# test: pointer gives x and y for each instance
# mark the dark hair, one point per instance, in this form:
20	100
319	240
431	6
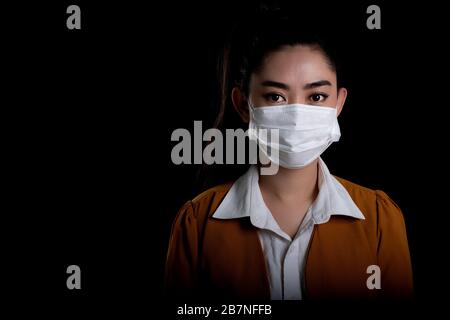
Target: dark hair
253	39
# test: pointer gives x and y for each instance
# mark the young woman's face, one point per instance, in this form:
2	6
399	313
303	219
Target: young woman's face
295	74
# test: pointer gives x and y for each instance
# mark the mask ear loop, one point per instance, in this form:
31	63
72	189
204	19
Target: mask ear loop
251	110
264	161
336	131
250	105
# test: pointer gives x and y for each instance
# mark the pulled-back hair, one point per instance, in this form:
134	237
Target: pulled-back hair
258	35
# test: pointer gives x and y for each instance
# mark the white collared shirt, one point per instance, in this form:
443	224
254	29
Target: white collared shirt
285	257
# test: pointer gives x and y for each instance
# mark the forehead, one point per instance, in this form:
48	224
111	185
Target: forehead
296	63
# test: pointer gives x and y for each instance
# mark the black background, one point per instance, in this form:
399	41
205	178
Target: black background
88	116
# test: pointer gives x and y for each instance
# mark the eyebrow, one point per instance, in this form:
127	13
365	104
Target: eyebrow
315	84
270	83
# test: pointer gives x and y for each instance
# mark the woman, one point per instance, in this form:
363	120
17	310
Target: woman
300	233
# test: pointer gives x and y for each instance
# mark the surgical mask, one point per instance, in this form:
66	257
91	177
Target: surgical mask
304	132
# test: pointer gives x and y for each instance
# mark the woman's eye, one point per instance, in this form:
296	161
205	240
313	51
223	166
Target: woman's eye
318	97
274	98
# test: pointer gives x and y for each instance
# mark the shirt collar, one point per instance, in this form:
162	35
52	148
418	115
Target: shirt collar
244	199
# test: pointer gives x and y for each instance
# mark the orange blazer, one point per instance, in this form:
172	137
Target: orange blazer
216	259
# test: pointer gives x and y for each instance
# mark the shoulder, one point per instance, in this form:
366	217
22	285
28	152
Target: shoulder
373	203
356	190
204	205
212	195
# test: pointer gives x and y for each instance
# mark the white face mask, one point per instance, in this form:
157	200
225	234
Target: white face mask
305	131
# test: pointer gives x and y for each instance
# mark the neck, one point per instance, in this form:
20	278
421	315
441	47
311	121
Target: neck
292	184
